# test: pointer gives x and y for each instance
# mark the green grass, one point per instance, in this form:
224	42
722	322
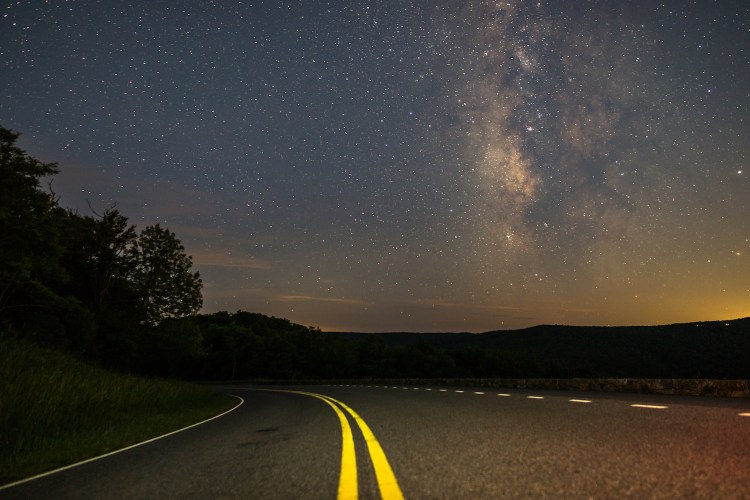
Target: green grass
56	410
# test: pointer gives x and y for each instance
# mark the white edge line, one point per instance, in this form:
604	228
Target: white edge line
99	457
653	407
504	394
579	400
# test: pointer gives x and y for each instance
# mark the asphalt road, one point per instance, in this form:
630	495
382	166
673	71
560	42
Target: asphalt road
439	443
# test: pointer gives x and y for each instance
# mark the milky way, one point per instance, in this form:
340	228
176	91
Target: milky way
380	165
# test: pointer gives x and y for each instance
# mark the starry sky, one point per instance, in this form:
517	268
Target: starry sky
383	165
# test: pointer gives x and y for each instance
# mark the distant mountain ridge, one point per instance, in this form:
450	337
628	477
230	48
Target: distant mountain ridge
717	349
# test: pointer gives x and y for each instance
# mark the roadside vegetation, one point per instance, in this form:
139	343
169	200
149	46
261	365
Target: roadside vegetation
78	294
56	410
90	284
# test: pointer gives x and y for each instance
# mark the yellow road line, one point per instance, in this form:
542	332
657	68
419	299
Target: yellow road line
348	475
389	488
387	483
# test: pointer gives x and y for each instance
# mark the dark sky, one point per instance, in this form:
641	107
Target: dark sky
395	165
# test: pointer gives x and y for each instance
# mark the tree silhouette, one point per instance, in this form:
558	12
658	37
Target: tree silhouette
97	257
161	276
29	236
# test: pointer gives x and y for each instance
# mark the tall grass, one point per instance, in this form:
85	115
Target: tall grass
56	410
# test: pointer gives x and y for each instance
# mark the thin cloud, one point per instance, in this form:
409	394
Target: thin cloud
442	303
310	298
218	258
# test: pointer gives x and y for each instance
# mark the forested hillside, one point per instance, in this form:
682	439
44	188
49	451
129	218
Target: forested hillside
245	345
713	349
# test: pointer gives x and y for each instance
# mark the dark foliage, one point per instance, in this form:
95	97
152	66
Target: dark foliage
715	349
88	284
249	345
29	242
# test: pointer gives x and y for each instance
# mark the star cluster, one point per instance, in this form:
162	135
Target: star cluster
385	165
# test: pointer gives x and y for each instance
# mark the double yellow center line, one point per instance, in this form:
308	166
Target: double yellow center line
348	489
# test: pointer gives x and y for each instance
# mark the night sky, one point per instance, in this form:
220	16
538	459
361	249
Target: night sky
395	165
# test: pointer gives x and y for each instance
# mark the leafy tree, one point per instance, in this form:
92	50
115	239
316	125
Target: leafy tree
110	238
91	283
29	236
98	262
161	276
97	257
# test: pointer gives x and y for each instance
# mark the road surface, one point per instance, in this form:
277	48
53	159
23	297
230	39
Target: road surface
437	442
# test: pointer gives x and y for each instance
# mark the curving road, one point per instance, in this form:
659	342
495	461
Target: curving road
438	443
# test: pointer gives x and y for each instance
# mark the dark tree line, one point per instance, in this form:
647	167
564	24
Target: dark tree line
249	345
244	345
91	284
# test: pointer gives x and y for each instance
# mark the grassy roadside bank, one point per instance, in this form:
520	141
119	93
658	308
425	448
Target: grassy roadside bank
56	410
